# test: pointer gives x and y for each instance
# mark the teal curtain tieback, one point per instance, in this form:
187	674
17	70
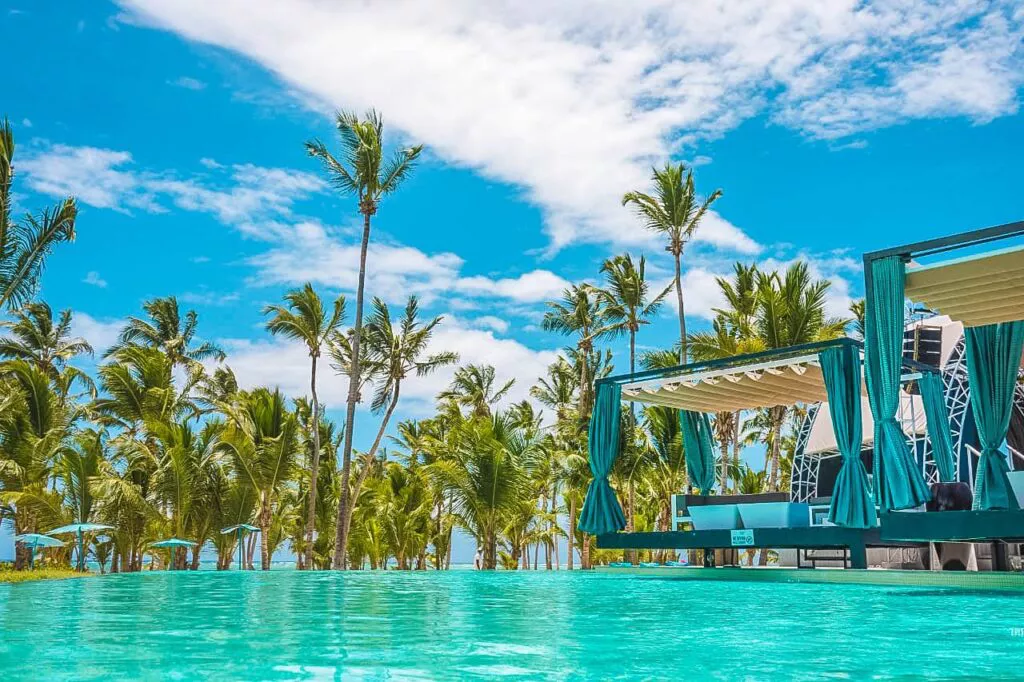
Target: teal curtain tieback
602	512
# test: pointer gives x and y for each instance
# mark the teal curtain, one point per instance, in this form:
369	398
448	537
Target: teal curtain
852	505
993	358
899	483
602	512
699	451
934	399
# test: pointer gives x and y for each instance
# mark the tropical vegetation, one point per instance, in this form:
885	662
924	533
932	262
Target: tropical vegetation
160	439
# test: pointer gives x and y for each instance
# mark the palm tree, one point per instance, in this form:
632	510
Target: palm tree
473	386
675	212
304	319
362	172
36	338
624	299
791	311
260	439
25	244
166	331
579	314
486	478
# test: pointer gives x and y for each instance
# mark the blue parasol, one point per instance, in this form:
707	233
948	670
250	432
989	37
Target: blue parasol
173	543
79	529
33	540
239	530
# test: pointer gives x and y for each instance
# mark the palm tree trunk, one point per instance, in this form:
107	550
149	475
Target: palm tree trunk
682	310
264	531
630	501
314	469
572	532
736	451
585	552
724	447
341	535
778	417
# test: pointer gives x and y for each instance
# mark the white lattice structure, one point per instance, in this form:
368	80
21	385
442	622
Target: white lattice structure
816	442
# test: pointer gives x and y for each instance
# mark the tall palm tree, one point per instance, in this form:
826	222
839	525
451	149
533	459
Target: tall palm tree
25	244
260	439
674	211
625	302
473	386
166	331
362	172
396	352
578	314
305	319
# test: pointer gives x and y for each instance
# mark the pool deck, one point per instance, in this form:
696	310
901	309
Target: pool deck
986	580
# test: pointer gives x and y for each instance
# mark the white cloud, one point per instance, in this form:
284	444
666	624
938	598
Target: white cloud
310	252
575	101
210	163
26	123
285	364
188	83
94	279
208	298
101	334
491	322
538	285
97	177
107	178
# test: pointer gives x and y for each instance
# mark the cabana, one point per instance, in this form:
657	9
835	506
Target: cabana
983	288
983	291
829	371
173	544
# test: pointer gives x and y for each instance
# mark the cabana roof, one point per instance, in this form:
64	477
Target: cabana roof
785	376
978	289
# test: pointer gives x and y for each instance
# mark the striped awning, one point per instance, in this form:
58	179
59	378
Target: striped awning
976	290
783	382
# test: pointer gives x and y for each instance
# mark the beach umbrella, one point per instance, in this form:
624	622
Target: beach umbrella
173	543
33	540
80	529
239	530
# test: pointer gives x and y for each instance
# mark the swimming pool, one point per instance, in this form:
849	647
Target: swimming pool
474	625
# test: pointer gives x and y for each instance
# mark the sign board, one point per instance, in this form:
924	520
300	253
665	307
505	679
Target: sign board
742	538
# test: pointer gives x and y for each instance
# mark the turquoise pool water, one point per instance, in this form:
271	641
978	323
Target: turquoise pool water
472	625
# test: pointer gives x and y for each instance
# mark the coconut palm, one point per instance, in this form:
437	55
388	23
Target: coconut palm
166	331
624	299
486	478
674	211
578	314
305	319
790	312
473	387
37	338
396	352
36	428
362	172
25	244
260	440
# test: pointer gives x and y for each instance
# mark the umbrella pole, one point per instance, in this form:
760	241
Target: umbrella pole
31	557
81	556
238	532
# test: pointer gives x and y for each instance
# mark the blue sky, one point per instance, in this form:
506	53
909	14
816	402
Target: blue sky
833	128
